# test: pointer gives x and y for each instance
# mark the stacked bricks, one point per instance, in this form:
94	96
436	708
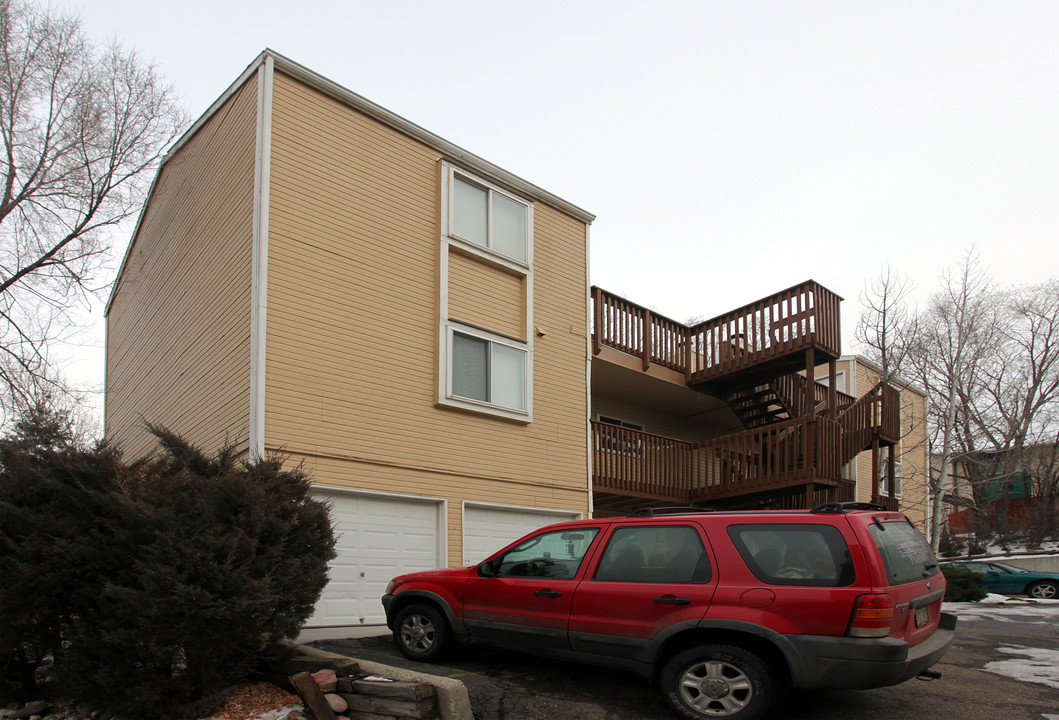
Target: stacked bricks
341	692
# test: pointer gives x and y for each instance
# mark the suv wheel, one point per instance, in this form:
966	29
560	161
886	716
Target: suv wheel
422	633
717	681
1042	590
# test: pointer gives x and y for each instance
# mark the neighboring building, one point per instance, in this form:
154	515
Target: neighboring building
857	376
1009	490
315	276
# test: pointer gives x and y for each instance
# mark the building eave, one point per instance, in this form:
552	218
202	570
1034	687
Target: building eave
332	89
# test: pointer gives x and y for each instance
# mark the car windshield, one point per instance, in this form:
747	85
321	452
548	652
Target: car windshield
557	554
1008	568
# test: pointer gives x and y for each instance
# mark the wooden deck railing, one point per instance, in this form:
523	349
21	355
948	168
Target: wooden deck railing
890	503
804	316
633	462
875	414
786	454
638	331
791	389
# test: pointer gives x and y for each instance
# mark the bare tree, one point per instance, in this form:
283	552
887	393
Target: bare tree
81	129
957	332
1018	405
887	324
886	330
1009	425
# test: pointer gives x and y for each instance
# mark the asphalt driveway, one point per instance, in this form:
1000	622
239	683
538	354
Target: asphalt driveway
505	685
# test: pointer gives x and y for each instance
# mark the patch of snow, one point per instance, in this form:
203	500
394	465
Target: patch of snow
1005	609
1035	665
1049	548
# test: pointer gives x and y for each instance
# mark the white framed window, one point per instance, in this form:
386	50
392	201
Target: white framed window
884	478
840	381
482	369
481	216
487	372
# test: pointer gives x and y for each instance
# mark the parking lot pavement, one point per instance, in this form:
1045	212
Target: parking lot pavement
504	685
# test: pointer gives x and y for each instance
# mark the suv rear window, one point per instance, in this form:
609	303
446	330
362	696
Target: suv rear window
905	552
813	555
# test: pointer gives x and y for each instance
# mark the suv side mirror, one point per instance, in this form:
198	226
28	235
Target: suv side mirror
485	569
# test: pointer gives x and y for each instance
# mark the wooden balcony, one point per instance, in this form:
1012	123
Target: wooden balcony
767	336
780	456
641	464
759	359
763	339
780	462
638	331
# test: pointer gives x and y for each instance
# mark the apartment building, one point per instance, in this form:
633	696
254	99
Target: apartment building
316	276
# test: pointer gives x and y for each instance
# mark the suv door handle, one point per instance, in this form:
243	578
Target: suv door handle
548	593
670	600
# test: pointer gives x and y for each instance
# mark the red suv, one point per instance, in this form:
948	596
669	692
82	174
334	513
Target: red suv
721	608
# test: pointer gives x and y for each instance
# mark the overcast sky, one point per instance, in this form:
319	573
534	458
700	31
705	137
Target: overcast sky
728	149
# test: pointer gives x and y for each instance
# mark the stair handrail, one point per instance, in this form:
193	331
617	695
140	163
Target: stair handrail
876	414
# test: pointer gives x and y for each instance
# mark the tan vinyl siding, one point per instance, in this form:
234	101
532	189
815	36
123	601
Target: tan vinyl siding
486	296
656	421
353	325
178	329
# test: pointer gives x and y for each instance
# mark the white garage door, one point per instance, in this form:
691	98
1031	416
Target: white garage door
487	528
377	537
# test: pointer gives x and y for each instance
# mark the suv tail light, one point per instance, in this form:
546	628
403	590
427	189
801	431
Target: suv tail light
872	616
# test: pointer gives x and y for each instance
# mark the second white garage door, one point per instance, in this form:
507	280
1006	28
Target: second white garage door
487	528
378	537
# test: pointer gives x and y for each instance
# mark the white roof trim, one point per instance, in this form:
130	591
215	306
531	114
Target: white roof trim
862	360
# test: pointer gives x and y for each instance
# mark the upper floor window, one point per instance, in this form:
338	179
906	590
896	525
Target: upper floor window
488	217
486	351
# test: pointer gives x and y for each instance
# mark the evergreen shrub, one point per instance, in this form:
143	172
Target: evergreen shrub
963	585
152	584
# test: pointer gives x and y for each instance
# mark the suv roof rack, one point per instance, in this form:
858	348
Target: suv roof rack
670	510
842	507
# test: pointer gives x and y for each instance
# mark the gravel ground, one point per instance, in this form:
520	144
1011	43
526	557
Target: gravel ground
246	701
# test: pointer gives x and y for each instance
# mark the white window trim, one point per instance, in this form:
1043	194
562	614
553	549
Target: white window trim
898	479
450	172
447	326
446	395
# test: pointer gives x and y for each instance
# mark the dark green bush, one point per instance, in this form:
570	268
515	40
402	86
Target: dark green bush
154	583
56	513
963	585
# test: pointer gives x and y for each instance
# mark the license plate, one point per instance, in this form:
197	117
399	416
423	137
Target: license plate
922	616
